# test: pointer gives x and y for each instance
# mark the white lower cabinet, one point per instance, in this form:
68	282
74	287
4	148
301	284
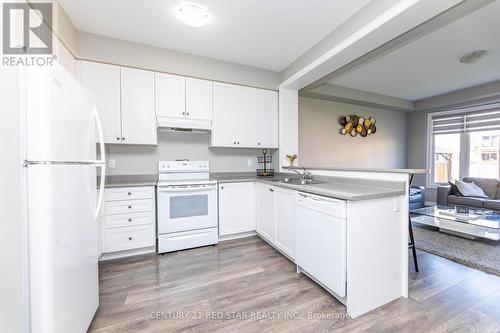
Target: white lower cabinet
285	220
129	219
266	226
276	217
128	238
236	208
255	206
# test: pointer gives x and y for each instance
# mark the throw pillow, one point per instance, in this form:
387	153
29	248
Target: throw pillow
470	190
454	190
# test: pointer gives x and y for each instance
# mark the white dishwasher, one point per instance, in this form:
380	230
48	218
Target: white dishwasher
320	240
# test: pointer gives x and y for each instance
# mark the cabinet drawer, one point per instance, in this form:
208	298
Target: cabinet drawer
129	193
128	238
129	206
128	220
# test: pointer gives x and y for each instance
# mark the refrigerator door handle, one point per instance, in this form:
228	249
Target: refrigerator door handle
102	162
102	148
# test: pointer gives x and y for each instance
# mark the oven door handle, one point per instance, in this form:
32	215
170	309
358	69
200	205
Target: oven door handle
186	189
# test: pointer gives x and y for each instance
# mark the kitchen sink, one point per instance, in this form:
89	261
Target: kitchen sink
299	181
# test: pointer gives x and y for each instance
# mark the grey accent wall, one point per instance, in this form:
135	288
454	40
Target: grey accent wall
132	159
417	149
124	53
320	143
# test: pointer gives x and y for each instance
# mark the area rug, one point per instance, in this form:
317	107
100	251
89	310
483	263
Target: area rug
481	254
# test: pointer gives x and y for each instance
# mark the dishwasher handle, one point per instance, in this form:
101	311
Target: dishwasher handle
333	207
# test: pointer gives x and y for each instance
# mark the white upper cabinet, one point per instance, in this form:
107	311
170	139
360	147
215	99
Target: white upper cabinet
267	118
223	124
198	99
246	117
103	82
125	99
170	93
138	106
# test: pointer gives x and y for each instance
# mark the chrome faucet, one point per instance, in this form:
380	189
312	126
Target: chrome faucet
305	174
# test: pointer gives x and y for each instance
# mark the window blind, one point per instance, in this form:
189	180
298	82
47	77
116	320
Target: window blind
466	122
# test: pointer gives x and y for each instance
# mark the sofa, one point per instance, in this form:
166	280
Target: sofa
446	197
417	197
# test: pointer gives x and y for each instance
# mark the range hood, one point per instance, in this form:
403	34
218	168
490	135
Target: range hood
183	125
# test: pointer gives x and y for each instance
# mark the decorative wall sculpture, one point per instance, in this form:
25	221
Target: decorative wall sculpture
355	125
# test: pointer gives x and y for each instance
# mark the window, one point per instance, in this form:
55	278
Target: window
446	157
464	144
483	154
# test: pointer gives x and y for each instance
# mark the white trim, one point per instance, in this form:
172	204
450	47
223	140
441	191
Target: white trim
237	236
127	253
371	26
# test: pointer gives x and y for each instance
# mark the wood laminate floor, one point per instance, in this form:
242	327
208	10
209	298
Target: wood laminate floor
247	286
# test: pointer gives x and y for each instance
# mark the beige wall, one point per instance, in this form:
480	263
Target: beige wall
321	145
171	146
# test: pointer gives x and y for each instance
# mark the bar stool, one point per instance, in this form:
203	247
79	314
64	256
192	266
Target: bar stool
411	244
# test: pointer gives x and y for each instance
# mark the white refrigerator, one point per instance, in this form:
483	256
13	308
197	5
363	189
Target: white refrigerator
59	123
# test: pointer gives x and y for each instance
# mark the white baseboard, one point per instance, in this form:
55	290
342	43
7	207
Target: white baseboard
238	235
128	253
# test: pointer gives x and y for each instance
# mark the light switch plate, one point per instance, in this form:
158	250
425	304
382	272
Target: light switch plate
111	163
249	162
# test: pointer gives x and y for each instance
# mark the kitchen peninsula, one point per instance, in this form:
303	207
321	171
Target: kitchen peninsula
372	204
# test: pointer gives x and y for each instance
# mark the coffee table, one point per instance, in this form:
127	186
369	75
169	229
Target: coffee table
486	225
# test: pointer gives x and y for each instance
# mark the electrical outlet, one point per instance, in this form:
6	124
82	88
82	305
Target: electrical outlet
111	163
249	162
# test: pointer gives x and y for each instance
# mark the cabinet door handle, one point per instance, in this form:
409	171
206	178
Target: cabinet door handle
123	139
234	142
271	190
129	193
222	187
130	220
129	207
184	113
258	143
118	138
130	238
187	113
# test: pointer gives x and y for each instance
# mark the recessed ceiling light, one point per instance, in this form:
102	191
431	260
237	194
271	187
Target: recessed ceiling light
193	15
473	56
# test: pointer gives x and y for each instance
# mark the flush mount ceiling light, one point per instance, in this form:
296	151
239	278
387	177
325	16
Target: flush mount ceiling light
193	15
473	56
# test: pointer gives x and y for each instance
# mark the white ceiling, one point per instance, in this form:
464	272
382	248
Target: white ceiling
268	34
430	66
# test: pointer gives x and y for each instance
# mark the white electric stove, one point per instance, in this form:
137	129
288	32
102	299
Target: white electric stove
187	206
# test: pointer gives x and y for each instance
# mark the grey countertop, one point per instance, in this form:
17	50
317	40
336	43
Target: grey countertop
129	180
409	171
335	187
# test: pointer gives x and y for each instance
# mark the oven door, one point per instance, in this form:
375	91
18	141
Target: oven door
186	207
